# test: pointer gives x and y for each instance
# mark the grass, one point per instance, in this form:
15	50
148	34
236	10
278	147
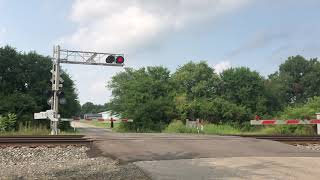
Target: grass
34	131
178	127
221	129
27	131
102	124
296	130
225	129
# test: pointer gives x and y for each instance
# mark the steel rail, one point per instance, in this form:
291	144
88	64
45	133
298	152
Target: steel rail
288	139
44	140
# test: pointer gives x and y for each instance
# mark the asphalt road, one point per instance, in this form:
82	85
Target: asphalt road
131	147
182	156
255	168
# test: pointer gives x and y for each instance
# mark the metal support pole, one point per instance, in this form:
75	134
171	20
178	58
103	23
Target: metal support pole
318	125
55	89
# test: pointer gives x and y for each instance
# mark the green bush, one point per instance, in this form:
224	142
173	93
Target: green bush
221	129
178	127
219	110
123	127
65	126
287	130
8	122
302	111
236	129
247	127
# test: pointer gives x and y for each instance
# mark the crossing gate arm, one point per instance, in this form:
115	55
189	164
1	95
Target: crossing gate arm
97	119
288	121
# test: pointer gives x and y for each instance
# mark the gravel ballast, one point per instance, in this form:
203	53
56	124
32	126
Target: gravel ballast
315	147
61	163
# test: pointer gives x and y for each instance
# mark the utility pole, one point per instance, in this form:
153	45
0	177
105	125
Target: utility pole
72	57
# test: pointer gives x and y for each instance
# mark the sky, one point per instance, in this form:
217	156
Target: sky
259	34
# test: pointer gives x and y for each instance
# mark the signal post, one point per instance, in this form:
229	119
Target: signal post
72	57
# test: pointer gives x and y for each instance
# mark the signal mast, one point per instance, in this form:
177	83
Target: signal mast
72	57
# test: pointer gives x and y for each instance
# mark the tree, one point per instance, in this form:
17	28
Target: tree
89	107
311	80
24	82
192	81
150	96
245	88
298	79
196	80
274	94
144	95
23	105
291	73
72	106
219	110
302	111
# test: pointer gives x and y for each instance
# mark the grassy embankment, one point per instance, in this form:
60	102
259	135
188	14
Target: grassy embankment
223	129
102	124
34	131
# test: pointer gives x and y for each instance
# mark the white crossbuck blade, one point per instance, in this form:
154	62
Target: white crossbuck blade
49	114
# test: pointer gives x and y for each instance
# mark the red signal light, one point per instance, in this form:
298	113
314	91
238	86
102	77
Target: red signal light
120	60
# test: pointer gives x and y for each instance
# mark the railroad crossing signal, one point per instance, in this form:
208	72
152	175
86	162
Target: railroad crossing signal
91	58
112	59
71	57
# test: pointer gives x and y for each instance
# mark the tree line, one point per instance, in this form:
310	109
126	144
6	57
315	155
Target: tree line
25	88
90	108
153	96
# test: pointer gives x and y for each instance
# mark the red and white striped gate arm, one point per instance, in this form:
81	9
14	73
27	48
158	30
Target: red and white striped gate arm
288	121
123	120
99	119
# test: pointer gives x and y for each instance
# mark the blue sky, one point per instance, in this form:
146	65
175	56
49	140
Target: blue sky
259	34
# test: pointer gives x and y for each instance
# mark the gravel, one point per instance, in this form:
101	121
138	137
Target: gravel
62	163
315	147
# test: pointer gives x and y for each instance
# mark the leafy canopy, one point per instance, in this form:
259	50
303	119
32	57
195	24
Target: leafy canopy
143	95
25	82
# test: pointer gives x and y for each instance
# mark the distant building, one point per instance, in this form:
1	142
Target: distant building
92	116
107	115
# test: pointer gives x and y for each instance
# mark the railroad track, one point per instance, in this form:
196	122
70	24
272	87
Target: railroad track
80	140
289	139
54	140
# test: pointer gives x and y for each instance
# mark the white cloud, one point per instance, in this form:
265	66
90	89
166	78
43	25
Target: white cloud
120	25
221	66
